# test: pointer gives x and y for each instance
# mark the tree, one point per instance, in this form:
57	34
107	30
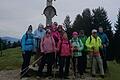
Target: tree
116	43
117	25
4	44
100	18
1	42
9	44
78	23
14	45
67	22
87	21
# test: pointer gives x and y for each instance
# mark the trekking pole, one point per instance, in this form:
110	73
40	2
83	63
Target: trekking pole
29	67
54	67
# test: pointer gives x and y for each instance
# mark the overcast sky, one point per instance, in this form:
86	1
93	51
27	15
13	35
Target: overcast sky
17	15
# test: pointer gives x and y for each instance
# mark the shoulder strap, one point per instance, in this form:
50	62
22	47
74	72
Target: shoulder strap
79	42
52	43
69	45
72	40
60	46
90	39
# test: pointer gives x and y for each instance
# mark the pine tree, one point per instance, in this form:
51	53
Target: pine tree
117	39
9	44
1	46
100	18
87	21
117	26
67	22
78	23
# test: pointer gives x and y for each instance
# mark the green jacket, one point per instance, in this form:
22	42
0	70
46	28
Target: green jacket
92	42
83	39
77	43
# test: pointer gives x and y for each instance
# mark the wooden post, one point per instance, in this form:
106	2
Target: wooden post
49	19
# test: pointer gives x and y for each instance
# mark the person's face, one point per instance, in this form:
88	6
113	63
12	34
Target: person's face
65	36
59	29
101	30
94	34
54	28
40	28
75	36
29	31
81	34
48	34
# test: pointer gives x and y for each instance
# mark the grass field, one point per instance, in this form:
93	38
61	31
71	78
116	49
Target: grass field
12	59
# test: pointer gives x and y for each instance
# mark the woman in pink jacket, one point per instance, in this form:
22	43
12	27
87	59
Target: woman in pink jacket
48	52
64	48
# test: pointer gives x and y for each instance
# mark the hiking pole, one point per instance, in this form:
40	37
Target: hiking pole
29	67
54	67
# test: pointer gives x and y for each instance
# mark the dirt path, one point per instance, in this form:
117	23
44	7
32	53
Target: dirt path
9	75
14	75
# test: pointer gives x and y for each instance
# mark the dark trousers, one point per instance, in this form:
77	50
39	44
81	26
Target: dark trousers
26	62
84	56
48	59
103	55
64	61
38	54
78	63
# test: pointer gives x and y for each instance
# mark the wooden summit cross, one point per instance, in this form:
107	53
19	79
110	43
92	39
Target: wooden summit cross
49	12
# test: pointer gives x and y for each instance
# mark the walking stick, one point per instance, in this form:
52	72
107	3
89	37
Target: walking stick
54	67
28	68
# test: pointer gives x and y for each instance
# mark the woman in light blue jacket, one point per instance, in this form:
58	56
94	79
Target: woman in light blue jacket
27	47
77	55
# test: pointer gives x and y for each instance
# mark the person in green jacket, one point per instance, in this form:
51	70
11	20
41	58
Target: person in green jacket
83	38
93	44
77	54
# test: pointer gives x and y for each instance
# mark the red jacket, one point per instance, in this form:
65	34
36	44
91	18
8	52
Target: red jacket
64	46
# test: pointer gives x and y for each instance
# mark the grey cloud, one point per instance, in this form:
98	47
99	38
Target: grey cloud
16	15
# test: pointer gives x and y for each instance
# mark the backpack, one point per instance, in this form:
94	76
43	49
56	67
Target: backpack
61	45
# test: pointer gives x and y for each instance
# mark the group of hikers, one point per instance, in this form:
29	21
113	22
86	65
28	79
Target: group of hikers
52	46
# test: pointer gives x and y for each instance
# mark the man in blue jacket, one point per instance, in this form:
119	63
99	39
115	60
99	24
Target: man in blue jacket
105	43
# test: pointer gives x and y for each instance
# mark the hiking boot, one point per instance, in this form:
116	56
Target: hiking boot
38	76
86	72
65	77
82	76
93	75
102	76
